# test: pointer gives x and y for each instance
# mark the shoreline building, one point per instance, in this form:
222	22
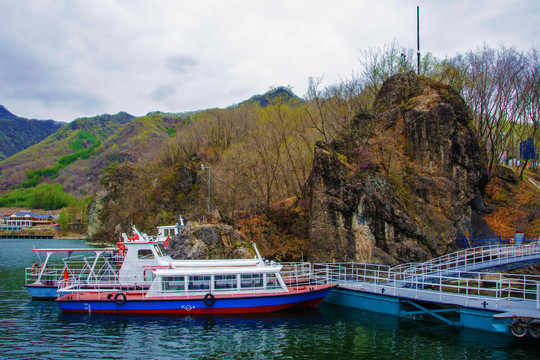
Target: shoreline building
25	219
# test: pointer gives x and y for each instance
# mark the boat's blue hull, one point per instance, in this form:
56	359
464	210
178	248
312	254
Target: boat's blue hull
42	292
221	304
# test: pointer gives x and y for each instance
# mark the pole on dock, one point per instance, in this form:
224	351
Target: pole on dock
418	36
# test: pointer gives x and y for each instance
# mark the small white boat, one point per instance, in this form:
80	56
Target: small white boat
198	290
131	259
131	262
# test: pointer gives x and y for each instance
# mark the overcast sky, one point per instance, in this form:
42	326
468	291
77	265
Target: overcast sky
66	59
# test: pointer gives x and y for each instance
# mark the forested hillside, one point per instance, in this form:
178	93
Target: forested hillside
76	154
17	134
258	154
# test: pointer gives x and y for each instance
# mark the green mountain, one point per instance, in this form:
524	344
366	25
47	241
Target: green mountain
75	155
17	134
281	93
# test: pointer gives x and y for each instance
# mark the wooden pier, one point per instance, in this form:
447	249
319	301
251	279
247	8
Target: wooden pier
26	236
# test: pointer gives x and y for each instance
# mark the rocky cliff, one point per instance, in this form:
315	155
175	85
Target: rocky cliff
399	182
210	241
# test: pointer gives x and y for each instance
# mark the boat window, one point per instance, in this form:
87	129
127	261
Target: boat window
159	249
199	282
225	281
272	282
251	281
173	283
145	254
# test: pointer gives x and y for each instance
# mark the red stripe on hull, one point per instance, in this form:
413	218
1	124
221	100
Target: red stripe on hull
195	311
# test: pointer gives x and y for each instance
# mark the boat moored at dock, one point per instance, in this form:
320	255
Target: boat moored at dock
132	259
199	290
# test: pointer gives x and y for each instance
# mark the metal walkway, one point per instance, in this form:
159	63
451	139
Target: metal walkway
456	286
493	258
484	258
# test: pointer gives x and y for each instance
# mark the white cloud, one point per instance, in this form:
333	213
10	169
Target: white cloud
73	58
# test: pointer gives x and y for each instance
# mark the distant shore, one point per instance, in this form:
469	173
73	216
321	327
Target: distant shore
57	234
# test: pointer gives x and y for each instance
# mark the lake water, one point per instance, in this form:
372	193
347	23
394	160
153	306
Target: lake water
38	330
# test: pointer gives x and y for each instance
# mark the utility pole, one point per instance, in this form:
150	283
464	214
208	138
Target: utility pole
418	36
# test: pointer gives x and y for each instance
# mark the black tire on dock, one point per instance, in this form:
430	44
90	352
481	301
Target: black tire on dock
534	328
120	298
518	328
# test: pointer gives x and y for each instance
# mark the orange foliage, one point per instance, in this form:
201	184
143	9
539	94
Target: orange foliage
516	208
253	227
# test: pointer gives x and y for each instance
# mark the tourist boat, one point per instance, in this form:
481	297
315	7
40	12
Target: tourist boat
198	290
132	261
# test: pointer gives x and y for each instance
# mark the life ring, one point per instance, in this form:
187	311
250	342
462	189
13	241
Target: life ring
534	328
209	300
518	328
120	298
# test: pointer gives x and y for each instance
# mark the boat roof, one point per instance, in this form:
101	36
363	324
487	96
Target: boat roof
139	242
214	263
225	270
71	250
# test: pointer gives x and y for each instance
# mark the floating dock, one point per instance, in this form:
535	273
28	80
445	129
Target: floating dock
26	236
458	289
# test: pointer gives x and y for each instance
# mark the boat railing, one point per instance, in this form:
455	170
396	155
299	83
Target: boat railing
466	285
77	266
296	273
87	269
49	276
537	295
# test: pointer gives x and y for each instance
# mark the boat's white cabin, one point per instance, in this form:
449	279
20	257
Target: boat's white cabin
184	281
144	254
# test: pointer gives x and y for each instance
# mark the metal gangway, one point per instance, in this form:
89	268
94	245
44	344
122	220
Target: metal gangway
460	298
493	258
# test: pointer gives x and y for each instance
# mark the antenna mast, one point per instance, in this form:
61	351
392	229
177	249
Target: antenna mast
418	36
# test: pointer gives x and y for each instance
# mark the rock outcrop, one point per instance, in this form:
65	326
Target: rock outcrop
211	241
399	182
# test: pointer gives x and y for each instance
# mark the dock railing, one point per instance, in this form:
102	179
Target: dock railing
473	259
467	286
351	272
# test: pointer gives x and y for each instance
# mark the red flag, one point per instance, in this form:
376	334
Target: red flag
167	241
66	275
